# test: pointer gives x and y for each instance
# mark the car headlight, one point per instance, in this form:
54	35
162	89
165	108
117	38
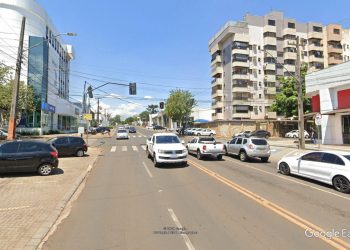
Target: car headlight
184	151
161	151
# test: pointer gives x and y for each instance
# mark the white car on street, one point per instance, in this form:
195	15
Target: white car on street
295	134
205	146
166	148
122	134
204	132
331	167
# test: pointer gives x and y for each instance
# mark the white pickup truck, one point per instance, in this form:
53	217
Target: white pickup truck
166	148
206	146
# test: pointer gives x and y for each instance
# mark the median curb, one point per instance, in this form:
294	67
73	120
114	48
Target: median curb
46	226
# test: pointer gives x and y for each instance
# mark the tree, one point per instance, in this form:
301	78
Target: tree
144	116
129	120
152	109
287	100
115	119
179	105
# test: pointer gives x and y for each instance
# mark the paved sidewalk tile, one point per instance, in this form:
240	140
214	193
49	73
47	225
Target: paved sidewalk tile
28	200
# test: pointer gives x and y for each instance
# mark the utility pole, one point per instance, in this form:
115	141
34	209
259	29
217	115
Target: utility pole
84	99
98	111
300	98
13	113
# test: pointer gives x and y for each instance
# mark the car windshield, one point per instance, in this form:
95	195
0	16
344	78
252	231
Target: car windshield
259	142
167	139
122	131
206	139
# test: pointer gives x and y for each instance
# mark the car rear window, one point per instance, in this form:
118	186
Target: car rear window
347	157
121	131
259	142
75	140
206	139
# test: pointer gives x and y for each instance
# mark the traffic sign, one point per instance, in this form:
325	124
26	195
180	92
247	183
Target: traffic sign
87	117
318	119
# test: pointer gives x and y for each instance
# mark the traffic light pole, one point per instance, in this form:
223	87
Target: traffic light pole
98	111
13	111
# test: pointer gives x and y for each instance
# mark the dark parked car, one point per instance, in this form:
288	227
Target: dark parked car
132	130
260	133
28	156
102	129
69	145
158	127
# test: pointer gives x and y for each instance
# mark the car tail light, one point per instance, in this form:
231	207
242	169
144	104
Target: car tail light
251	146
54	154
204	147
85	146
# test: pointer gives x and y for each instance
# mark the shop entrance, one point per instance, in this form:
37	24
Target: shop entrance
346	129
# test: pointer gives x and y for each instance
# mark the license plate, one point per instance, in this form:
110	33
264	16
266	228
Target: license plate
173	156
260	148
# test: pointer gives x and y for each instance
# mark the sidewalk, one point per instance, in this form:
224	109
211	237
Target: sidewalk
30	204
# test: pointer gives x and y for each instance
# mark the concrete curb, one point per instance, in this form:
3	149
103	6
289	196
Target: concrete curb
51	220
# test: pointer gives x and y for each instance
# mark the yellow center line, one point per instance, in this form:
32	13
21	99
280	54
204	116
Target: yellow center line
295	219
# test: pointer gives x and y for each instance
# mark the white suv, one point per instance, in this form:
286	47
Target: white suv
166	148
205	132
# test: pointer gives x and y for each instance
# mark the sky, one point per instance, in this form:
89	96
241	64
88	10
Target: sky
159	44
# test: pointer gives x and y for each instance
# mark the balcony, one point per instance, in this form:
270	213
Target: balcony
337	50
241	115
270	40
270	66
333	37
270	53
289	43
238	76
270	78
289	67
218	104
332	60
290	55
313	58
217	93
216	82
288	31
270	90
240	101
216	60
315	47
269	28
246	89
271	115
218	116
270	101
316	35
240	51
240	64
217	70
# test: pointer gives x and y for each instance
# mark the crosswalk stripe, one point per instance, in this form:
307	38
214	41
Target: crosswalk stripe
143	147
114	148
134	136
140	135
124	148
135	148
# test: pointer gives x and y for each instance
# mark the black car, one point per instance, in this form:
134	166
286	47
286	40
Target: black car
132	130
28	156
260	133
69	145
102	129
158	127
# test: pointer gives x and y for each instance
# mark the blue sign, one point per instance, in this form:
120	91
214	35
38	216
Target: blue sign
48	107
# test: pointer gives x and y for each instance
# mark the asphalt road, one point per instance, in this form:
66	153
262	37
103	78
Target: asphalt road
129	204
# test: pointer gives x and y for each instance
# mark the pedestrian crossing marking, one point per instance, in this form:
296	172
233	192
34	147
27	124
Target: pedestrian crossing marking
134	136
114	148
143	147
124	148
135	148
140	136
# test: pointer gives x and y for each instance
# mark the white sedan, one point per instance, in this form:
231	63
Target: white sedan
122	134
295	134
331	167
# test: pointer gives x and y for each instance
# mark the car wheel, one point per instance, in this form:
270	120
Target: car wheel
199	155
294	136
243	156
148	154
284	168
341	184
264	159
226	153
219	157
80	153
184	164
267	136
306	137
155	163
45	169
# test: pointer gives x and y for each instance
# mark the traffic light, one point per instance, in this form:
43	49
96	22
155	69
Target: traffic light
161	105
132	88
89	91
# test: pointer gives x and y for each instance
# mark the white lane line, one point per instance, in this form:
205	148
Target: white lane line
13	208
135	148
140	136
291	180
290	153
143	147
114	148
149	172
124	148
178	224
134	136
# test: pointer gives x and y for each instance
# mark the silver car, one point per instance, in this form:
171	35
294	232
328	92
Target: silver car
122	134
248	147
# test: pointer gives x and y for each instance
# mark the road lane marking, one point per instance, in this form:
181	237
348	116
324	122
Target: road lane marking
140	136
289	179
178	224
149	172
306	225
124	148
13	208
114	148
135	148
134	136
143	147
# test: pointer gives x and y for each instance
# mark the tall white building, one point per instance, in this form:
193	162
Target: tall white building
248	57
45	64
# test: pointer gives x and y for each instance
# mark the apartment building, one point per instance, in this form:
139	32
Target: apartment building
248	56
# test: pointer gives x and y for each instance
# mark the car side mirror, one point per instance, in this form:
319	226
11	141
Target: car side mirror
183	142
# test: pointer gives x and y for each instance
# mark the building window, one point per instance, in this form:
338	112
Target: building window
279	54
336	31
291	25
305	53
271	22
317	29
347	46
259	96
